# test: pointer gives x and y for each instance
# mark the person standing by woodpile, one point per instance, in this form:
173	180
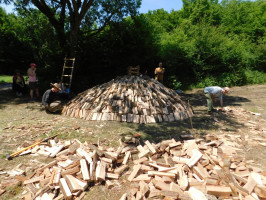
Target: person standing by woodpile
212	93
159	72
33	81
51	99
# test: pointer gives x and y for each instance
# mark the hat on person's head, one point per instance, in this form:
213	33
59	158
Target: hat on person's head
56	85
226	89
33	65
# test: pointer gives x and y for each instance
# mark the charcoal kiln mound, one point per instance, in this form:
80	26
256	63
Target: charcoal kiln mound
129	99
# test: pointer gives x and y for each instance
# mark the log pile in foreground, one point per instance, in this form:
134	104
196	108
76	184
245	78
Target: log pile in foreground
192	169
129	99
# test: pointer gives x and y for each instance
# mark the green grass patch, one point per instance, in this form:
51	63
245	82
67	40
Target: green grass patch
6	79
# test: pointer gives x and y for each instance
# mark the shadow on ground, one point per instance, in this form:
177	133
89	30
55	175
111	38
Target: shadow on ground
199	125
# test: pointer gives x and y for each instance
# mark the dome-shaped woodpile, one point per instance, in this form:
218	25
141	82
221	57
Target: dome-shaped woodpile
129	99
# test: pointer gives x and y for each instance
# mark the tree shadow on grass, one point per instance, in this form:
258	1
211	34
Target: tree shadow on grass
201	122
199	99
8	97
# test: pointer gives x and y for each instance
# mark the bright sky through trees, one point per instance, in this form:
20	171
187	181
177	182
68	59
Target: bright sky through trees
167	5
146	5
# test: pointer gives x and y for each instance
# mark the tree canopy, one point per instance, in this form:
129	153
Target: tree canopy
205	43
68	16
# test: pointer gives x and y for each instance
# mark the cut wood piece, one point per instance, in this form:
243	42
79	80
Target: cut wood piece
65	189
196	155
174	187
109	184
196	194
170	161
46	196
212	181
33	180
65	164
84	170
253	179
142	177
126	158
73	183
100	171
183	180
47	166
170	194
249	197
143	153
84	154
219	191
161	185
153	173
47	173
124	197
31	188
201	171
140	160
151	148
180	160
57	176
56	150
112	176
260	190
135	171
121	169
70	171
174	144
27	196
144	188
60	197
45	181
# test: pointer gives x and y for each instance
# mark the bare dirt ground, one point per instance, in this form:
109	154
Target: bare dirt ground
22	123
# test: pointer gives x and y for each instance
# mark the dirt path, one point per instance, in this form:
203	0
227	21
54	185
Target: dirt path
23	123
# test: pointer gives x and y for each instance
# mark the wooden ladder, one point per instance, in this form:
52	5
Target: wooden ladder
67	72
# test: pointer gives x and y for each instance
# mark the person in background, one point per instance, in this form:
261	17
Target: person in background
159	72
18	83
212	93
33	81
51	99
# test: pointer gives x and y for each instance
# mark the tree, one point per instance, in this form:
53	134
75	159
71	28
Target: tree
67	16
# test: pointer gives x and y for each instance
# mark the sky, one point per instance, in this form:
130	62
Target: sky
167	5
146	5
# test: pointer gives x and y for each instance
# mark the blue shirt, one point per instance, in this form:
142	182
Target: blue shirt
215	90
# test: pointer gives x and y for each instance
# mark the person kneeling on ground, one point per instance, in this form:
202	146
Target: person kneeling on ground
51	99
212	93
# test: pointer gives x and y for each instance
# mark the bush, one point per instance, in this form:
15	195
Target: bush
174	83
255	77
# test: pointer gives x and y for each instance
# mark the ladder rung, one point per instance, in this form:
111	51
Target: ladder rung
68	67
69	58
67	75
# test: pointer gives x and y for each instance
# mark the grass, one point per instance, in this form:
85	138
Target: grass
5	79
22	122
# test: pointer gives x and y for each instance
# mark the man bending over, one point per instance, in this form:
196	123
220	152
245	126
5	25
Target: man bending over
213	93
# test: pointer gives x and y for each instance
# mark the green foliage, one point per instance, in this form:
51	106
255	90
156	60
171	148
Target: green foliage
207	42
255	77
174	83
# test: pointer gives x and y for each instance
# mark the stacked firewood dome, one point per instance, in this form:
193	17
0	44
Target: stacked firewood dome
129	99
